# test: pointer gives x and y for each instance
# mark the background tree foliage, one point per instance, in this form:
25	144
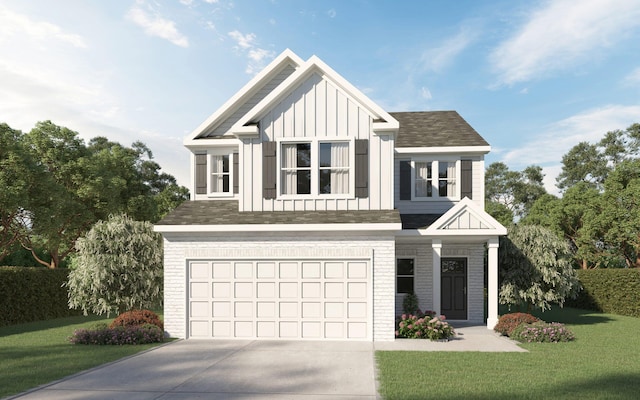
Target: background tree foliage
535	268
598	212
118	268
60	186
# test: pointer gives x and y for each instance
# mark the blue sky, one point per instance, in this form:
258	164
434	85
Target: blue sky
534	78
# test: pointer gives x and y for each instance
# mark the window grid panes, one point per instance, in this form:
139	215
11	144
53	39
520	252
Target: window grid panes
296	168
405	275
333	174
429	185
423	187
220	174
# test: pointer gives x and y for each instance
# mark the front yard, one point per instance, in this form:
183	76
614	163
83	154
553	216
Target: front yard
603	363
39	352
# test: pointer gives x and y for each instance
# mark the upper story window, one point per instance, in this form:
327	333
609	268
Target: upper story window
220	174
216	173
435	179
316	168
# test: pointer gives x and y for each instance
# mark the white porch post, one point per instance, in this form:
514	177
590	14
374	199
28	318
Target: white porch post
492	317
436	245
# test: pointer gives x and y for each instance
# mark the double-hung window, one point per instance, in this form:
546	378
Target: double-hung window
316	168
405	274
435	179
220	174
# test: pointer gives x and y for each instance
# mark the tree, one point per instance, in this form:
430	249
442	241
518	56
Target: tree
535	268
516	190
17	179
614	220
118	268
592	163
80	184
566	217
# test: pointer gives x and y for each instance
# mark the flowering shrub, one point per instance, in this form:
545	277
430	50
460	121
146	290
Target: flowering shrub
137	317
508	322
541	332
424	326
101	334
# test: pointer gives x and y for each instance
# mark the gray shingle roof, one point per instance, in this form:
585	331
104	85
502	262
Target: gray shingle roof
435	128
418	221
225	212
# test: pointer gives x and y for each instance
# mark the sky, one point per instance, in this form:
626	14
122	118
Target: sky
534	78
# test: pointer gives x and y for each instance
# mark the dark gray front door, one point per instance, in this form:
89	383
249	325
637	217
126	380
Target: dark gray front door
454	288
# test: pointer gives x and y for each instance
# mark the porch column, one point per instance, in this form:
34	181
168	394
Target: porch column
436	245
492	317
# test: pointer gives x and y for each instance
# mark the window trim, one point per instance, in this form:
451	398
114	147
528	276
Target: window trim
219	152
435	165
405	276
315	167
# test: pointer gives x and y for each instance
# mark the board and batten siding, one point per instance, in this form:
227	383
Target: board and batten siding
318	109
407	206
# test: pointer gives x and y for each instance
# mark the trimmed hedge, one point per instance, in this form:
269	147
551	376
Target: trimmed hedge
33	294
615	291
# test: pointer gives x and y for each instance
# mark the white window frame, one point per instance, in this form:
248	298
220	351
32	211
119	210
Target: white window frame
435	178
315	167
219	152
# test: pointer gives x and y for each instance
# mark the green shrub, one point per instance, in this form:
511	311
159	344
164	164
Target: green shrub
32	294
542	332
424	327
508	322
615	291
410	303
138	334
137	318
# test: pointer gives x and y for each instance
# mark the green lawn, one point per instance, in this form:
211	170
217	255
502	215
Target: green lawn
39	352
603	363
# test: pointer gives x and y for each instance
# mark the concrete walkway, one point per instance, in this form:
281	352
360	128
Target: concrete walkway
223	369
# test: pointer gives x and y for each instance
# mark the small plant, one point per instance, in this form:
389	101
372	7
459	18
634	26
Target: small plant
508	322
136	318
542	332
120	335
424	326
410	304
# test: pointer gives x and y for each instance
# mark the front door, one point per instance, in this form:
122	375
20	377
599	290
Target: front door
454	288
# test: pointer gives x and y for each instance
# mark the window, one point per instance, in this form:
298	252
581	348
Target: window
334	168
296	168
220	174
428	185
315	168
404	275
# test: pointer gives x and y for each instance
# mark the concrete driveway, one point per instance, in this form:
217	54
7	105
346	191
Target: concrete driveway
195	369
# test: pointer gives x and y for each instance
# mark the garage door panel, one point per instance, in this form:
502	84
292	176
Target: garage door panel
279	299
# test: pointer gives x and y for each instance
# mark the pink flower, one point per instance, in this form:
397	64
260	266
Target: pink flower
442	317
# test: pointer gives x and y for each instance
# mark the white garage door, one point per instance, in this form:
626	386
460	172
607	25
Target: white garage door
280	299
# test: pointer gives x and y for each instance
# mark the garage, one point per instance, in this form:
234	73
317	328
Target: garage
279	299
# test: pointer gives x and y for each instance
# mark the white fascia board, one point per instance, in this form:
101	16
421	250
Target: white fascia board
278	228
444	149
314	64
246	132
458	235
210	143
286	57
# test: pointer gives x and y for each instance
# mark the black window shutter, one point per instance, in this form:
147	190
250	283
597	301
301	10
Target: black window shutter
405	180
269	170
362	168
201	174
236	173
466	186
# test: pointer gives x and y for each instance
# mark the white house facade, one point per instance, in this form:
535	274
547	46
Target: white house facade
314	211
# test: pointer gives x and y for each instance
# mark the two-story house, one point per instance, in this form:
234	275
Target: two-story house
314	211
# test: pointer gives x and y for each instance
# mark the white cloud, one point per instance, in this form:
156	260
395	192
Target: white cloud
258	57
634	77
561	35
439	58
17	24
157	26
558	138
332	13
426	93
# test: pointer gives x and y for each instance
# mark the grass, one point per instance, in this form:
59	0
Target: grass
36	353
603	363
